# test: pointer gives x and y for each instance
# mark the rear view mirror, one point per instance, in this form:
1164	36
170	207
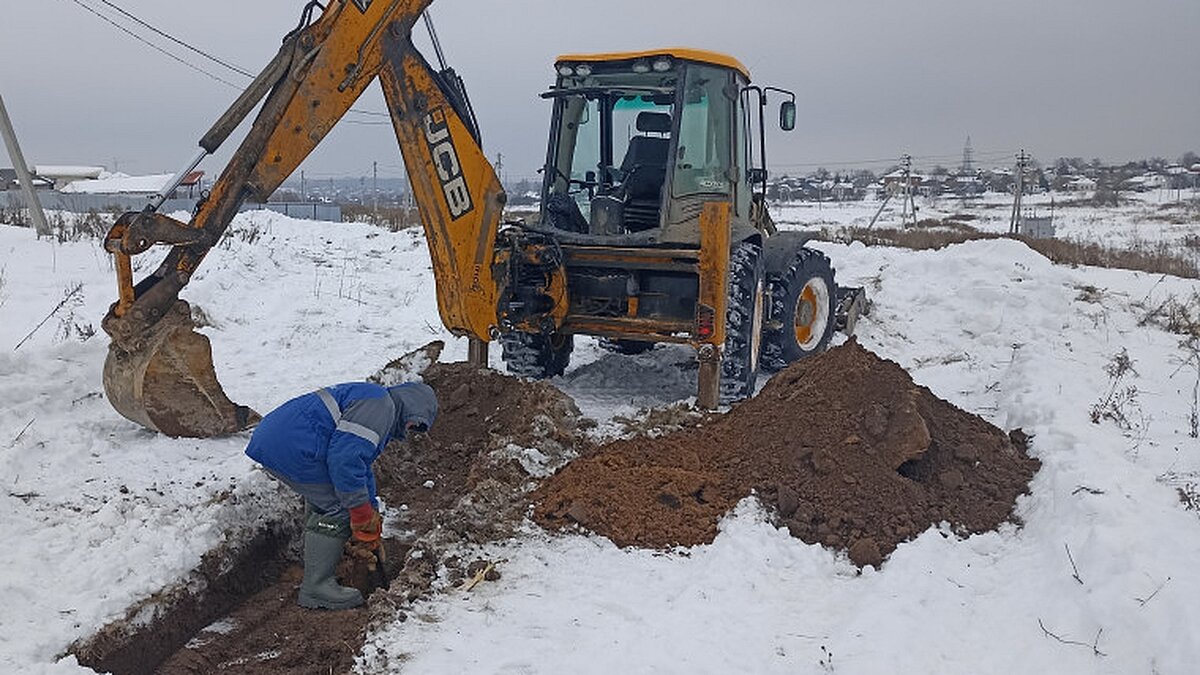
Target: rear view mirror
787	115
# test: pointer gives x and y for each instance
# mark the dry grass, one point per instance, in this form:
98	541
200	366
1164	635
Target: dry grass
932	234
394	218
1153	258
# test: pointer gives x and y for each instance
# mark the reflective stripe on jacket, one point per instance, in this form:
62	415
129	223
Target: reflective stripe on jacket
330	436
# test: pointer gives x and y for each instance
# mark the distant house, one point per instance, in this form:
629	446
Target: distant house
844	192
1081	184
1146	182
969	185
9	181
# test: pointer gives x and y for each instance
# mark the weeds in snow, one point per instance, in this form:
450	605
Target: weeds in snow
1173	315
14	215
68	327
1119	405
245	233
1095	646
1182	317
66	226
1187	485
3	280
1191	349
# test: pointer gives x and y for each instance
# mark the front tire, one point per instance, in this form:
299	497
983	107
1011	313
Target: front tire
536	356
803	303
744	311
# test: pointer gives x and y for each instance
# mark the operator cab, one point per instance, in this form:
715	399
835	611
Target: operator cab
640	141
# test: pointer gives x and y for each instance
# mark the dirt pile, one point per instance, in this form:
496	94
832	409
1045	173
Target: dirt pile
467	481
846	449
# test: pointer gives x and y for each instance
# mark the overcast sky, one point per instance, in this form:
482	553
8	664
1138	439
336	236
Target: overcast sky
1114	79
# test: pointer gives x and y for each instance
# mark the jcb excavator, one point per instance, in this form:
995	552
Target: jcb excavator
652	226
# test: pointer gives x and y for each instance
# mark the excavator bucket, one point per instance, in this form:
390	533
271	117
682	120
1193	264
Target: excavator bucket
167	383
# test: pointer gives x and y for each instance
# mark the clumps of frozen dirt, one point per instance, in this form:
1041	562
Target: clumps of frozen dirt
848	451
466	482
660	421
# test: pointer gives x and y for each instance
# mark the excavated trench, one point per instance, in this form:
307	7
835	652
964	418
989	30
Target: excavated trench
464	483
844	449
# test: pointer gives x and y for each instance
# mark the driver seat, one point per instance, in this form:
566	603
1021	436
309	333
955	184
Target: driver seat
645	171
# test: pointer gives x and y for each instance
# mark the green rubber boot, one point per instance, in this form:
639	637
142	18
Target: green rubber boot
324	539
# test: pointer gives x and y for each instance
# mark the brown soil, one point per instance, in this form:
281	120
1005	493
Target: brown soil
844	447
246	620
848	451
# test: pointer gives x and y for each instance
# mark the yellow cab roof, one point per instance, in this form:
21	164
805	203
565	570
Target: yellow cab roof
681	53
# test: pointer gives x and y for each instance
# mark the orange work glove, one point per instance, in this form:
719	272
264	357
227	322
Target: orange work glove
366	525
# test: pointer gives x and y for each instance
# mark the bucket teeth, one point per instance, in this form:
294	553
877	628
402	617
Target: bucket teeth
168	384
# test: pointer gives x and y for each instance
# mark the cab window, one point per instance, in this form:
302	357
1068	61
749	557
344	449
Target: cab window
704	158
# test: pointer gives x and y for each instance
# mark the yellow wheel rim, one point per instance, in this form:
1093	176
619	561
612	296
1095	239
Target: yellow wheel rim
812	313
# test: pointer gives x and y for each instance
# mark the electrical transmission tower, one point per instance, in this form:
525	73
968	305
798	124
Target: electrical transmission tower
968	160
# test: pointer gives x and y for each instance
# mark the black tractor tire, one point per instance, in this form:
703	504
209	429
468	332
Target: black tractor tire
745	310
536	356
627	347
803	306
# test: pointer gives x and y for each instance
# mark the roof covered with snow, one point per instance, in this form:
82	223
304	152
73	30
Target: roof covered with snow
69	171
121	184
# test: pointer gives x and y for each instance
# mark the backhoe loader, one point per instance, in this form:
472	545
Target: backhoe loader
652	225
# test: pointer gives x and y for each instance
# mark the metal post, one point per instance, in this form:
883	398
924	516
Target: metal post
18	160
477	352
708	384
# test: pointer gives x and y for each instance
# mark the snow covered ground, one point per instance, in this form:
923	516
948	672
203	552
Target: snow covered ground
100	515
1143	220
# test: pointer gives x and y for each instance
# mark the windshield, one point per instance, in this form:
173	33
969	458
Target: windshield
591	160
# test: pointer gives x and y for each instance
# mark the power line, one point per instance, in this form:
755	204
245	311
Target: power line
887	161
181	43
240	71
155	47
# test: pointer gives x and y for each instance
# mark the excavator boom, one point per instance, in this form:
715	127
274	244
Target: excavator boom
159	370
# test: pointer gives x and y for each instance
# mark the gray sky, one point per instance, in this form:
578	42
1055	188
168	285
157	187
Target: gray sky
1114	79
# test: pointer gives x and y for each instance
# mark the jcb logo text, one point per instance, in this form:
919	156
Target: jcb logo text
449	169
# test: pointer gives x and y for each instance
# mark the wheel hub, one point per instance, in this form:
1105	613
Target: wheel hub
811	313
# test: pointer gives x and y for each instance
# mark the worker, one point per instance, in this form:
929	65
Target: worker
322	445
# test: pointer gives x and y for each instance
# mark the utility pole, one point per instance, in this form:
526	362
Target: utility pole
375	189
908	193
18	160
1014	226
303	193
905	194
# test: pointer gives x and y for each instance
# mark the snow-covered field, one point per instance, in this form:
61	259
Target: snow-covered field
1143	220
100	514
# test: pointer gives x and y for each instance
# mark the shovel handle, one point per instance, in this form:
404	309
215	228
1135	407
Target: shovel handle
380	558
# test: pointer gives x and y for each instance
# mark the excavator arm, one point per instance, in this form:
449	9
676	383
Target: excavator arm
159	370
